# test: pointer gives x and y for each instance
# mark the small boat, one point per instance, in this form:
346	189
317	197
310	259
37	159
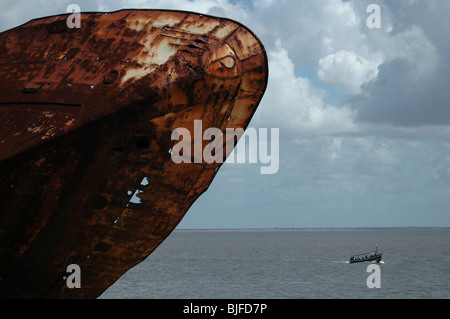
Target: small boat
370	256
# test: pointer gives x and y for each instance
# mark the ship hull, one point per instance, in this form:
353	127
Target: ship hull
87	115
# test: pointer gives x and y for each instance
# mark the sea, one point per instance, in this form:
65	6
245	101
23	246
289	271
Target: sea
292	264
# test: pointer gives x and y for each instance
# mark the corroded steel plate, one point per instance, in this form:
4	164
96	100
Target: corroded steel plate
86	117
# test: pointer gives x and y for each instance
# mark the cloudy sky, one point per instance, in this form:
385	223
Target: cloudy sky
363	113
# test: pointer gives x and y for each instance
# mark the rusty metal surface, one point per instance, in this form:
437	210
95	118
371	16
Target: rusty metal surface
86	117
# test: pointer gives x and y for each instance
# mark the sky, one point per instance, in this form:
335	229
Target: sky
363	113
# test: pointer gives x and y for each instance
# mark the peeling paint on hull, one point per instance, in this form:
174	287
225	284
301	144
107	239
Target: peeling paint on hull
86	117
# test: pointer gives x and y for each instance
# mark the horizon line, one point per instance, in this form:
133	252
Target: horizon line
303	228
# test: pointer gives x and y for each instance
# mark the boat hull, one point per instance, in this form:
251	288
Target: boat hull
376	258
86	174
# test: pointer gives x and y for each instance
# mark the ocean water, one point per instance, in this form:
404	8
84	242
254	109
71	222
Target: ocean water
291	264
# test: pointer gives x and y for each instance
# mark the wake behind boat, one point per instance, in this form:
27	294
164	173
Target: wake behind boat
370	256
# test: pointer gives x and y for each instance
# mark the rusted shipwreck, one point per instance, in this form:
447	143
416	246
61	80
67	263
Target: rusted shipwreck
86	116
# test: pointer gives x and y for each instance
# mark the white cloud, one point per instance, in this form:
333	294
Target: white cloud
293	103
347	70
311	29
412	46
